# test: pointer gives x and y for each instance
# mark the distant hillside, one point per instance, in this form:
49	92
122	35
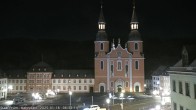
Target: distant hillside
22	53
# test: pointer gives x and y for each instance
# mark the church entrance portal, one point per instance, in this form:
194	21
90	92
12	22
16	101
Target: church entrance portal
119	88
101	89
136	88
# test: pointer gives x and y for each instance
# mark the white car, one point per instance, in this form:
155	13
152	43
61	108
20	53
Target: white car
92	107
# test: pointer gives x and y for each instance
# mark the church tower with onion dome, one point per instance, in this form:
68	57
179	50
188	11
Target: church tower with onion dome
117	68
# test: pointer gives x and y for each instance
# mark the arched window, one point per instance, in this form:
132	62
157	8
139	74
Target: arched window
101	46
137	65
126	69
112	69
102	65
119	65
127	84
136	46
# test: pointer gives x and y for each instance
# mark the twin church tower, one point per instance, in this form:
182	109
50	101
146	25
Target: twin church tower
116	68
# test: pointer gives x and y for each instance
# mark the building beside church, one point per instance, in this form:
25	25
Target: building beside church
119	68
183	83
161	81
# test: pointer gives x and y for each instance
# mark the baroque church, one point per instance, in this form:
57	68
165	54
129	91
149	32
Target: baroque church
119	69
116	69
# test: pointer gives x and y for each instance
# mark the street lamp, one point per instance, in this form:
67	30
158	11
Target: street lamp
4	90
113	97
70	93
160	92
108	102
122	95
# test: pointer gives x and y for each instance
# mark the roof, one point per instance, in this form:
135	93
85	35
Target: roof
178	64
73	74
101	36
134	17
134	35
41	67
189	69
190	51
16	74
193	64
101	17
160	71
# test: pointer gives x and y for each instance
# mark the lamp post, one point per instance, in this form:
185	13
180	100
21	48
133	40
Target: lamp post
108	102
70	93
122	95
4	93
160	92
113	97
145	88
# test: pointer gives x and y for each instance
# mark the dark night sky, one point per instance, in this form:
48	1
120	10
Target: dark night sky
71	20
166	24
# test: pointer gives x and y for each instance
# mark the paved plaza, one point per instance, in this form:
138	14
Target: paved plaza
80	101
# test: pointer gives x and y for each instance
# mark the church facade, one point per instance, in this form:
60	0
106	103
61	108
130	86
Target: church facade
116	68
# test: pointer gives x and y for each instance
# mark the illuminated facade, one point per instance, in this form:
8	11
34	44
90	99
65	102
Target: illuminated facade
161	81
119	68
183	83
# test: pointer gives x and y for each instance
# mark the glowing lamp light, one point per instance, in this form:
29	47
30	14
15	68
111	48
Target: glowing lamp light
10	87
36	96
107	101
158	107
70	93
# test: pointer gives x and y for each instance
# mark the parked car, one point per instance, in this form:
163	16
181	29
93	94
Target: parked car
94	107
130	97
18	100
